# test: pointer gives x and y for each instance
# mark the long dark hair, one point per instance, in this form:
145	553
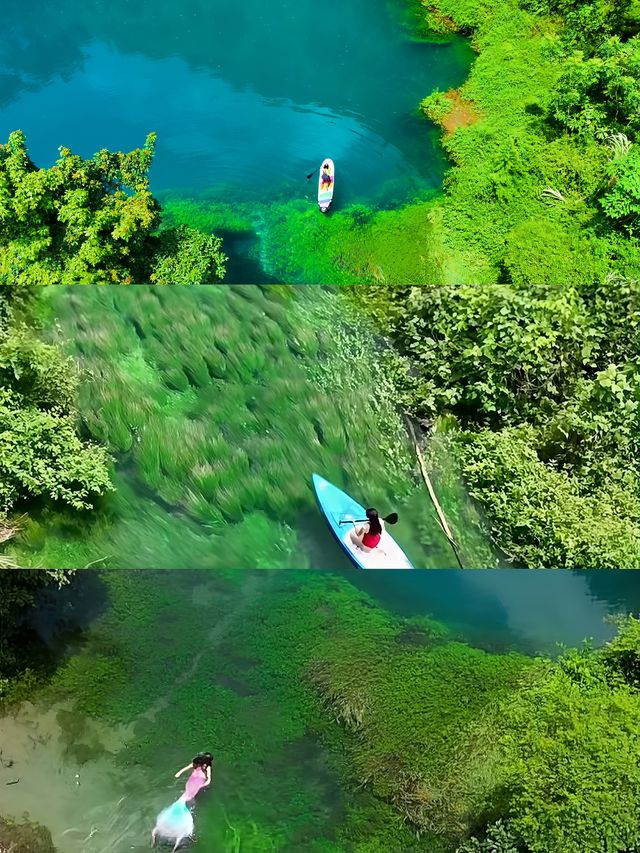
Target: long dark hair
203	759
374	522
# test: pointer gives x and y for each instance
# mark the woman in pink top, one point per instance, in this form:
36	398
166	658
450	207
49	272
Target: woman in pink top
200	775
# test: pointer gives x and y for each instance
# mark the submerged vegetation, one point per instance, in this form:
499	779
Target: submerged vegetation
533	394
215	423
382	734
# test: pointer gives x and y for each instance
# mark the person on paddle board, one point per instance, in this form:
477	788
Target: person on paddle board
368	537
325	176
200	775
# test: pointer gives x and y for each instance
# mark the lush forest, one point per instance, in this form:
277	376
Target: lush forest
538	391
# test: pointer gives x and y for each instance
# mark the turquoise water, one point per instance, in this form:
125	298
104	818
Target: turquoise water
532	611
246	98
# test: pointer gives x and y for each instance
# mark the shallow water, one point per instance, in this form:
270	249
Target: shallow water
218	404
246	98
169	669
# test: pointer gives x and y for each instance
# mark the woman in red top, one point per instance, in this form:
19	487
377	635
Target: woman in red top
368	537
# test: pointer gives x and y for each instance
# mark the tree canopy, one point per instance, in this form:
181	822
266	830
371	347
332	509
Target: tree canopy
93	222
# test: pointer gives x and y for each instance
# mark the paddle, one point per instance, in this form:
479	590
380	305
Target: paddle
311	174
392	518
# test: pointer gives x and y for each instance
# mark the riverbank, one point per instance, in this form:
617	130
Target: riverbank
536	397
430	736
528	198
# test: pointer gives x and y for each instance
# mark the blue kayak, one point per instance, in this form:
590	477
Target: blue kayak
337	506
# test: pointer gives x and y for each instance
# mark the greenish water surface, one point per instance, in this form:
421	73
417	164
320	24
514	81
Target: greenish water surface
160	664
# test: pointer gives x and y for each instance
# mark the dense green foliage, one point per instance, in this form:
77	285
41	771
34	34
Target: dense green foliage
93	221
545	385
43	460
545	161
41	454
569	756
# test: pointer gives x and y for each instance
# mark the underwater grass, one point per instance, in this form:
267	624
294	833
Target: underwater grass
323	711
217	404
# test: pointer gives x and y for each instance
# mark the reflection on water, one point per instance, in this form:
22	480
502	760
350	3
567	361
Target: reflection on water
533	611
245	97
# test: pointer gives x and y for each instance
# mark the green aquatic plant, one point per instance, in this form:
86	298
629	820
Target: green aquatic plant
273	385
380	729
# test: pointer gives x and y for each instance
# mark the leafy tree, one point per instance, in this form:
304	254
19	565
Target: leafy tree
41	454
622	201
38	372
492	354
187	256
600	95
540	515
587	22
90	221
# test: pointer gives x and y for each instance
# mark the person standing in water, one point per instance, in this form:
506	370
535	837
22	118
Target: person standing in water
368	537
200	775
